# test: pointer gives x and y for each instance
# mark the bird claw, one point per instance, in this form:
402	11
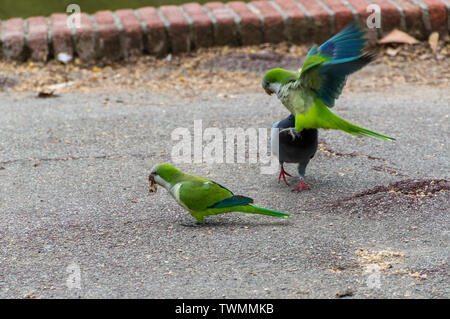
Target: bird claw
301	187
292	132
283	174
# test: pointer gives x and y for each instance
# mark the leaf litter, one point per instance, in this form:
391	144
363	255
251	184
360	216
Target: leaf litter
225	70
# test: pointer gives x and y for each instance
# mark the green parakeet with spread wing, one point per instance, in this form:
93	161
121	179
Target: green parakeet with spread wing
200	196
310	93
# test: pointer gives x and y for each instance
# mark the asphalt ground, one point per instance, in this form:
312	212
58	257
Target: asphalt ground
74	201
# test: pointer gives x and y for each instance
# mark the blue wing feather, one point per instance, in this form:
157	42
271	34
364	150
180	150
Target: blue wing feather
232	201
345	50
313	50
334	74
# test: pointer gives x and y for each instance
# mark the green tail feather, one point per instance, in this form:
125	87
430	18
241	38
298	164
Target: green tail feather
359	131
320	116
259	210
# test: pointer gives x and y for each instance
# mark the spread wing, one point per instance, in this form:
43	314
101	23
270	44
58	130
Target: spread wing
326	68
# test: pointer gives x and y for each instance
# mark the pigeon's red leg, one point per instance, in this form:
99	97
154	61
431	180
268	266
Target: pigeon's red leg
300	187
283	173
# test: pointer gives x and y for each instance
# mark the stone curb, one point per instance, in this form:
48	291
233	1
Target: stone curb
110	36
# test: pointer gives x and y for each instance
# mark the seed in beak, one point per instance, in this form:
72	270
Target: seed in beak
153	187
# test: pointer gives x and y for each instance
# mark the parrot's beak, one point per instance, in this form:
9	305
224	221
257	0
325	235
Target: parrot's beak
153	187
268	91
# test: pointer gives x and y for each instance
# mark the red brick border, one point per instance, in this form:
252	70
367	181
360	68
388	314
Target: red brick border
127	33
224	22
86	39
61	36
297	22
179	29
37	38
390	15
202	26
250	25
108	34
272	20
438	14
360	7
343	14
320	27
13	39
156	39
132	33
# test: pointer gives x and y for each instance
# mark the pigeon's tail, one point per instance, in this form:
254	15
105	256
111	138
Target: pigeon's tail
320	116
259	210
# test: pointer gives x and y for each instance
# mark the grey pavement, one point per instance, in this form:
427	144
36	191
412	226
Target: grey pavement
74	201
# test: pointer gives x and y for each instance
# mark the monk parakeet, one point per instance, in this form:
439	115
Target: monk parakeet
293	147
310	93
200	196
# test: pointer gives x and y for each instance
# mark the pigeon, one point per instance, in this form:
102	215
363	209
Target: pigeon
291	146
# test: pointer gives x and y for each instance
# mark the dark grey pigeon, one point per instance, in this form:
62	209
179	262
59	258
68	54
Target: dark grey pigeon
293	147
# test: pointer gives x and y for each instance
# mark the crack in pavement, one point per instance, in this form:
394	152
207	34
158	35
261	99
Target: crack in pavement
388	170
70	158
411	188
330	153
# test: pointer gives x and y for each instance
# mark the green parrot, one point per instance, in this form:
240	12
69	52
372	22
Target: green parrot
200	196
310	93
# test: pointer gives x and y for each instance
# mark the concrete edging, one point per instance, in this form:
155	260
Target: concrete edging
111	36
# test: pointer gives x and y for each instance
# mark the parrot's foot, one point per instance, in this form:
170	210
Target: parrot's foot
300	187
292	132
283	173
